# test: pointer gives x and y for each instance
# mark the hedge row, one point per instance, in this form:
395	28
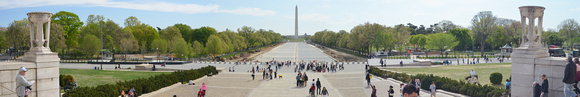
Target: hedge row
444	83
142	85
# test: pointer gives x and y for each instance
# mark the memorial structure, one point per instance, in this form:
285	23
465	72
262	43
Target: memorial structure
531	60
42	64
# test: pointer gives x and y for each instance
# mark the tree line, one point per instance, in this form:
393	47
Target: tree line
70	36
486	33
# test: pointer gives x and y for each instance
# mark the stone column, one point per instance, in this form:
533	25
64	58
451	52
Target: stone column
531	59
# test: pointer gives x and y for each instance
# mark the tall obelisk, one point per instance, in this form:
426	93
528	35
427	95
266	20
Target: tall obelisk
296	23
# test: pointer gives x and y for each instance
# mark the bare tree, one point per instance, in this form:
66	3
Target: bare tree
482	25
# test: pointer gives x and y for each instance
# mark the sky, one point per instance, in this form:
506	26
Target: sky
278	15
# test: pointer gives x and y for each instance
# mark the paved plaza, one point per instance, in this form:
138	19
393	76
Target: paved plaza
349	82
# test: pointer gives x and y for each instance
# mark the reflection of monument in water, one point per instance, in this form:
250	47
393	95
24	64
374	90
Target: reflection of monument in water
531	60
42	64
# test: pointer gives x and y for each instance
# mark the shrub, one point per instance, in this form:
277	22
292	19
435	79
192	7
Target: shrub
495	78
67	80
444	83
141	85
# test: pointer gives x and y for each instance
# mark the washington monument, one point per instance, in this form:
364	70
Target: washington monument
296	23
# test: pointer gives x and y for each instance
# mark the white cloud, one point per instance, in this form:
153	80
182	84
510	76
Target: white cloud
315	17
249	11
149	6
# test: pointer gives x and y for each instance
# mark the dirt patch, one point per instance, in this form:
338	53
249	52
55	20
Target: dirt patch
340	56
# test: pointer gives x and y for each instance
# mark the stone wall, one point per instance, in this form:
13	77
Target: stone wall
527	70
45	74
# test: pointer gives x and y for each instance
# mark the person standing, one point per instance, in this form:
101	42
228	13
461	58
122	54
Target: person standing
391	91
368	78
418	86
318	85
433	88
200	93
305	78
382	63
545	86
374	93
569	78
472	73
324	92
22	83
132	92
537	89
401	63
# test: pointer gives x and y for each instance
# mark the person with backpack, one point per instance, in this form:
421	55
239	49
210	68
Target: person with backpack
368	78
312	90
324	92
200	93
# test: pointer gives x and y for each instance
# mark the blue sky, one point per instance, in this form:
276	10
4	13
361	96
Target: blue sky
278	15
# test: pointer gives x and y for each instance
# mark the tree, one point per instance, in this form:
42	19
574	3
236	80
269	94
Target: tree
462	35
90	45
57	40
441	41
215	45
160	45
418	40
197	47
132	21
144	33
180	48
569	29
554	39
445	25
385	40
3	44
70	23
18	34
171	35
202	34
483	24
186	32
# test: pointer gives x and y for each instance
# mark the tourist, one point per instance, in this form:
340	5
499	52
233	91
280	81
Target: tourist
374	93
472	73
368	78
318	85
270	74
401	89
507	84
381	62
203	88
410	91
569	78
391	91
433	88
22	85
200	93
537	89
298	78
275	73
132	92
122	94
576	90
546	86
263	75
324	92
401	63
418	86
305	78
253	74
312	91
313	83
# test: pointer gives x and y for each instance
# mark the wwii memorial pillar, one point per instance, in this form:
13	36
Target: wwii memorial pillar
531	60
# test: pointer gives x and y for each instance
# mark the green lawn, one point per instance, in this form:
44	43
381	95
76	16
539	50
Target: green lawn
462	71
91	78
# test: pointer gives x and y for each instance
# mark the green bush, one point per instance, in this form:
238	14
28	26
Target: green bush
444	83
67	80
495	78
141	85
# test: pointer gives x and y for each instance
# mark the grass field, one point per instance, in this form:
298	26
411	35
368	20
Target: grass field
462	71
91	78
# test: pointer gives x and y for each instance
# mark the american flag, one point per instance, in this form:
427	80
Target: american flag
445	31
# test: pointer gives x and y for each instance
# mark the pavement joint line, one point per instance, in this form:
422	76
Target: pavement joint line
225	87
253	90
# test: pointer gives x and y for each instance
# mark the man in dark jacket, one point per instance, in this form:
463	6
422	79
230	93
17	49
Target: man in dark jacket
545	86
318	86
569	78
537	89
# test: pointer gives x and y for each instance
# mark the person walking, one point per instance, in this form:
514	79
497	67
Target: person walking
305	78
324	92
577	62
253	74
368	78
391	91
312	91
545	86
569	78
200	93
318	85
298	78
433	88
382	63
418	86
203	88
22	84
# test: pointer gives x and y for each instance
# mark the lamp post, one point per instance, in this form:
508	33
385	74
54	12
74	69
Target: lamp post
157	53
102	58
